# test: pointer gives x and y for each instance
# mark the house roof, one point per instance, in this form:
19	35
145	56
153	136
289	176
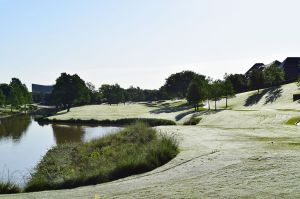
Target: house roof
259	66
291	67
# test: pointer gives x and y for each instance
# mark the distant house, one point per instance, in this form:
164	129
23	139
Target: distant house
276	63
257	66
291	67
41	93
42	89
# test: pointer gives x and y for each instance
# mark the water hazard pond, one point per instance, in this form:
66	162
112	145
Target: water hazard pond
23	142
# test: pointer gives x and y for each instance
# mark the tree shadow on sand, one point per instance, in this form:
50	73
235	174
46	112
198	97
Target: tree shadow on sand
272	93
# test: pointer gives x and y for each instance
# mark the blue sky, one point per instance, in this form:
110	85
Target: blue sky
139	42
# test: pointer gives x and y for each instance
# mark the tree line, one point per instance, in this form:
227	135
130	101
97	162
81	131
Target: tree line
14	94
71	90
201	89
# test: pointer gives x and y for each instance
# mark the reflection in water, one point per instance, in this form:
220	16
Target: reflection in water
23	142
14	127
64	134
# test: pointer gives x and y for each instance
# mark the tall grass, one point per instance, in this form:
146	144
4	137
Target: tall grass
9	188
135	149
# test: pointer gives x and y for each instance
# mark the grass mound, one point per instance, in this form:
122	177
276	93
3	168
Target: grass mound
9	188
193	121
136	149
293	121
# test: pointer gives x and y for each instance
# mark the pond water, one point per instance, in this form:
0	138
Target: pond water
23	142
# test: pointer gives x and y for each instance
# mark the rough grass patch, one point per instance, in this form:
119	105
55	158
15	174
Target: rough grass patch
135	149
193	121
9	188
293	121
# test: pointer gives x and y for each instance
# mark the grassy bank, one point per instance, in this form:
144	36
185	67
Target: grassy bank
134	150
118	122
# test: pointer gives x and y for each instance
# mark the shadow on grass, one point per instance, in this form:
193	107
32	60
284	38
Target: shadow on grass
197	113
255	98
182	115
170	109
272	93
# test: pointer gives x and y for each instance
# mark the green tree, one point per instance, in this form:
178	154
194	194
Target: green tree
70	90
135	94
2	98
6	90
112	94
94	94
194	94
19	94
274	75
216	91
176	85
257	79
228	89
239	82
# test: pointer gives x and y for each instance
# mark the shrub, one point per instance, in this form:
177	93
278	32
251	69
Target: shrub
193	121
9	188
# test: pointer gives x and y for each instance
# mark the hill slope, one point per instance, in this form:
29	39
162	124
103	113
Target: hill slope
269	98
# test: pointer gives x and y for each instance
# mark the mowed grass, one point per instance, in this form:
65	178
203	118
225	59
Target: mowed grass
102	112
135	149
167	110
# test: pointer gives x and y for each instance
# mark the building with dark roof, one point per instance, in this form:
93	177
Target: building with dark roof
291	67
273	63
257	66
42	89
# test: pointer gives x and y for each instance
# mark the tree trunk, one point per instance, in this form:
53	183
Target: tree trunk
215	104
208	104
226	102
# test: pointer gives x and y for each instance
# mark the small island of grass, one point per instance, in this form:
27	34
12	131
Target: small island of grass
134	150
